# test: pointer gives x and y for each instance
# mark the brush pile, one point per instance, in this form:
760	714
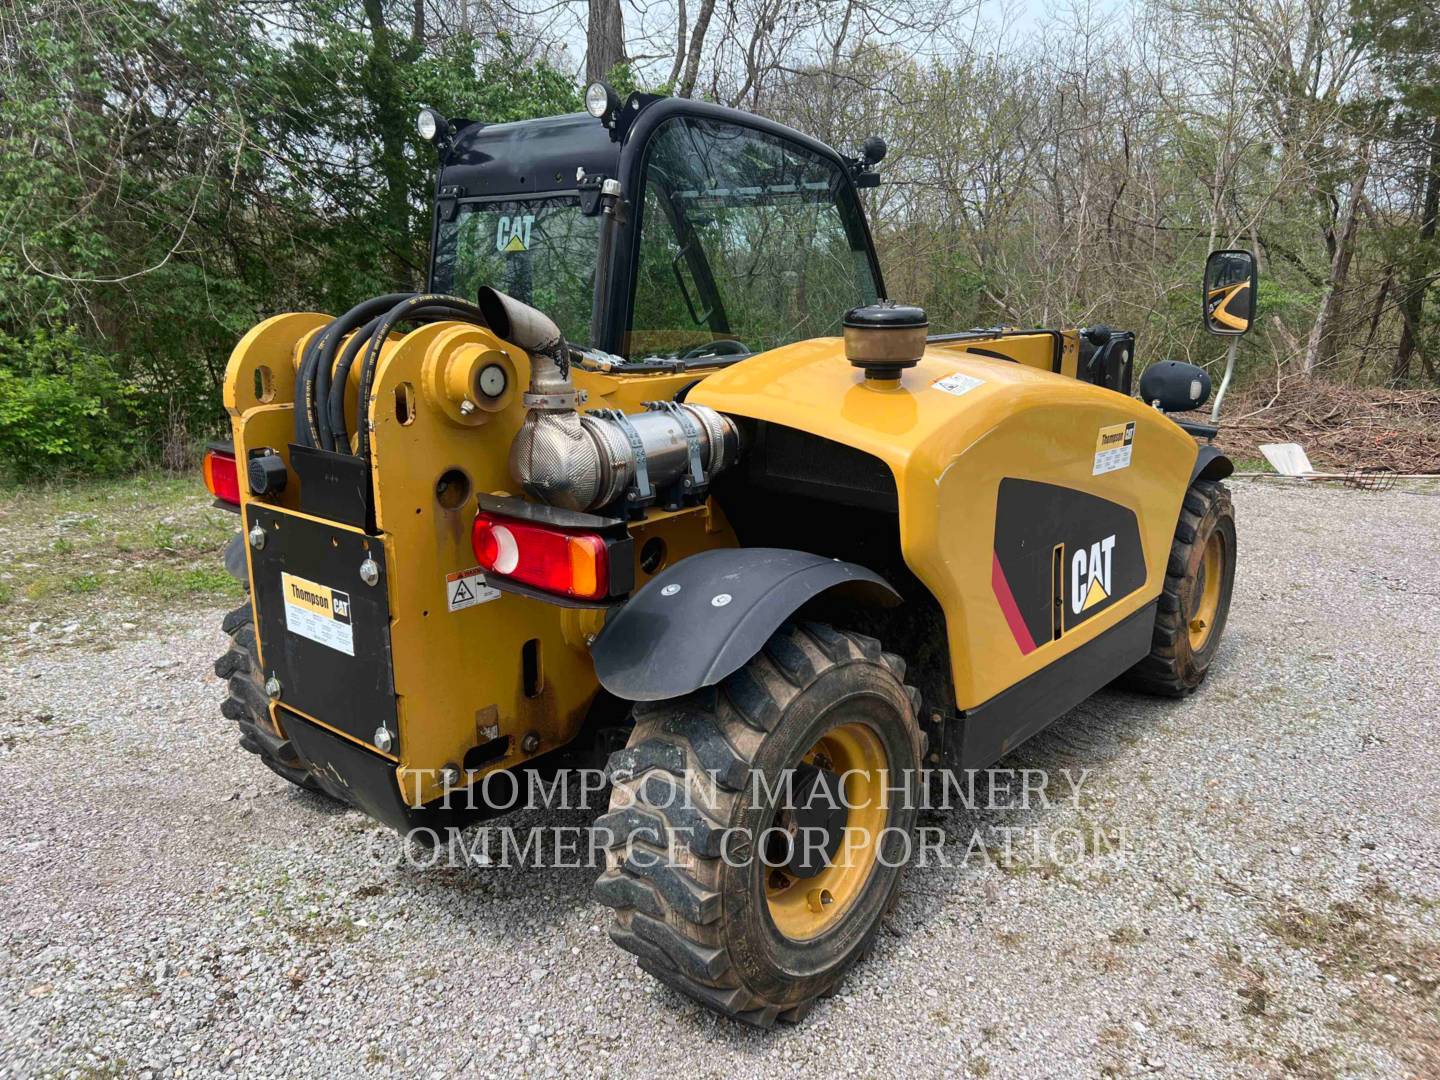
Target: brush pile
1340	427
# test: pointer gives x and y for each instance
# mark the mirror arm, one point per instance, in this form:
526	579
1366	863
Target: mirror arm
1225	379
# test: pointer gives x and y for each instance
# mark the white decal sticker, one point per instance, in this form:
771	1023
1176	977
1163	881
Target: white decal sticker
1112	448
957	384
318	612
466	588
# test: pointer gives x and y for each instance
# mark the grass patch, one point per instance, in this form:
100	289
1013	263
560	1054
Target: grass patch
38	588
1351	940
85	583
79	558
169	583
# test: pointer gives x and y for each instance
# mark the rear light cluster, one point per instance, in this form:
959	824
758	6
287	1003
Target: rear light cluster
222	477
564	562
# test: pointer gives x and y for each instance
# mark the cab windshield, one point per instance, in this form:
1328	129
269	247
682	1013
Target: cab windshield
542	251
747	242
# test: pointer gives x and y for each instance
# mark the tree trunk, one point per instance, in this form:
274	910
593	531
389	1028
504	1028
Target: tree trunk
604	39
681	28
1375	315
1321	346
390	119
1413	306
697	41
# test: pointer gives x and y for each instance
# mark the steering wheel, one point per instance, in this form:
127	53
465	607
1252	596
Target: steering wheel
720	347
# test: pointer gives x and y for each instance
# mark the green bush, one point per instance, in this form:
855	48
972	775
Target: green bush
62	411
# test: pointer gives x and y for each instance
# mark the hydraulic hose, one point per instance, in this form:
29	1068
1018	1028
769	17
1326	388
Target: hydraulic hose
315	378
336	403
305	434
420	305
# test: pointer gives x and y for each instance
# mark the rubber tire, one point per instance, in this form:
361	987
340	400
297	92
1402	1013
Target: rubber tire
697	923
1173	668
247	703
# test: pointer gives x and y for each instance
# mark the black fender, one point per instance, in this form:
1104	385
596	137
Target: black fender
1212	464
235	559
703	618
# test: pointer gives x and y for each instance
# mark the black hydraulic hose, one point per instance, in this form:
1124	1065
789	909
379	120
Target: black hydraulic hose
339	431
305	434
316	379
414	307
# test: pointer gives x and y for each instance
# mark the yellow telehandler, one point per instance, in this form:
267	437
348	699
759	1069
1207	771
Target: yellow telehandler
655	473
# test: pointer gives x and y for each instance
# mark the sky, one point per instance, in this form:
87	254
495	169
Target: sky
1014	19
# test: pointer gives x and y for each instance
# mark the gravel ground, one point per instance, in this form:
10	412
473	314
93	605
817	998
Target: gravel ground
1256	890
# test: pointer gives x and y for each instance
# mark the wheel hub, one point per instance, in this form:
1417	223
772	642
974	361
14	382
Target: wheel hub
815	820
1205	593
837	790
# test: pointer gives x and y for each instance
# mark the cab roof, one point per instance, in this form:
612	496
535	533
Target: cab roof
528	156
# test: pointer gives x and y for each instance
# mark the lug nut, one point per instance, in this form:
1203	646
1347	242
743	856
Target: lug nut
531	742
467	407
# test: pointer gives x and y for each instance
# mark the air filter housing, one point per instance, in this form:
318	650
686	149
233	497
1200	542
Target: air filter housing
885	338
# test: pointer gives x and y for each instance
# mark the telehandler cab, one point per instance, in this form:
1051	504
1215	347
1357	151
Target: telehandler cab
654	472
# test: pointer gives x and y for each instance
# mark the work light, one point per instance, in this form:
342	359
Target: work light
430	124
602	102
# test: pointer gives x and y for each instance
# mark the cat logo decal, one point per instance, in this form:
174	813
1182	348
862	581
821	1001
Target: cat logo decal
1061	557
1090	580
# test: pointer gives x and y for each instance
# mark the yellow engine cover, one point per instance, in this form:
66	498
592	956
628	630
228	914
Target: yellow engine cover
981	449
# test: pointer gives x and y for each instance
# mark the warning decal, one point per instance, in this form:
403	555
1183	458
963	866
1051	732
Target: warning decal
957	383
1112	448
318	612
466	588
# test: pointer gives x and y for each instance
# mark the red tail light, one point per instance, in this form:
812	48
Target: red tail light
222	476
575	564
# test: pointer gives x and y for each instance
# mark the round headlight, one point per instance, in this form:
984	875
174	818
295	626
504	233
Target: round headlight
600	99
429	124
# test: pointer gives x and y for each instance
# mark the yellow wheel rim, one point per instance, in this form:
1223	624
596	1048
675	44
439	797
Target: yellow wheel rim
804	908
1207	592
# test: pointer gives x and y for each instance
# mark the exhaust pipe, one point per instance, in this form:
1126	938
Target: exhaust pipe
670	452
536	333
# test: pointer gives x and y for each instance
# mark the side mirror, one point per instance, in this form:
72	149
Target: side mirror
1174	386
1227	301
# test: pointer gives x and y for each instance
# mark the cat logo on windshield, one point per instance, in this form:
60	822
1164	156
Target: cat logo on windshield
1090	581
513	233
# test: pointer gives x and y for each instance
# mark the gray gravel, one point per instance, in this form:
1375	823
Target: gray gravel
1259	893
